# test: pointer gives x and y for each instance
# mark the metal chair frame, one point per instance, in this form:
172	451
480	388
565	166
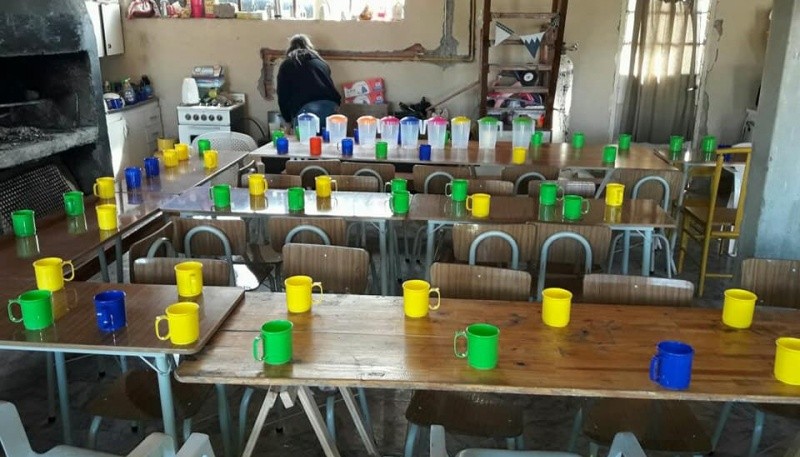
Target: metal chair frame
545	250
473	247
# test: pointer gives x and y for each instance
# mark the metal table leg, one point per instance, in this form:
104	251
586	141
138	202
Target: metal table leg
317	422
604	182
63	396
647	250
429	243
101	257
385	261
366	438
626	250
224	411
118	252
164	371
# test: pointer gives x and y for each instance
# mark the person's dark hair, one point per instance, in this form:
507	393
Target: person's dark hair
301	48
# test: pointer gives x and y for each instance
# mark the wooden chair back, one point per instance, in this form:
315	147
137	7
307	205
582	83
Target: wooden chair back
340	269
310	169
649	190
480	282
636	290
737	155
515	173
567	251
279	181
280	226
490	186
494	250
583	188
161	270
436	184
775	282
357	183
386	171
206	244
140	248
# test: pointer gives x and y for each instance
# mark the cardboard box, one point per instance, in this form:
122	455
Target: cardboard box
372	98
363	87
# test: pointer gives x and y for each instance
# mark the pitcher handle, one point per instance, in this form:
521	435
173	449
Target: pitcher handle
438	298
158	332
318	285
460	334
11	315
71	270
255	350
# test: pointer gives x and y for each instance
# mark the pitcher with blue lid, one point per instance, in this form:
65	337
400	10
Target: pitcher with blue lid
410	128
307	126
437	131
488	127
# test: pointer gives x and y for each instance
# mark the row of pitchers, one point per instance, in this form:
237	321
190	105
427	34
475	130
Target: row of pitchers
406	131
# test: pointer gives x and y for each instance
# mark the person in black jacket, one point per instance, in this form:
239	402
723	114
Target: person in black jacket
305	84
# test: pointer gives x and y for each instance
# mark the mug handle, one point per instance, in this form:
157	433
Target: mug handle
587	205
655	368
468	203
448	187
334	186
319	285
71	270
11	316
158	333
460	334
255	350
94	190
391	204
387	186
438	298
211	193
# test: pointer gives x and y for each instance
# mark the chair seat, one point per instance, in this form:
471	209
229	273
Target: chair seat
135	397
790	411
668	426
71	451
722	216
466	413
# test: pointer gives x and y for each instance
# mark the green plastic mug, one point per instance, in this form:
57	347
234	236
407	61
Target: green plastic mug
609	154
482	346
537	138
624	141
36	309
675	143
73	203
578	140
381	150
575	206
548	193
709	144
23	222
397	185
203	146
457	190
400	202
297	198
278	134
276	343
220	195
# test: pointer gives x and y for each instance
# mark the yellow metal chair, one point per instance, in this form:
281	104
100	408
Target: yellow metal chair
712	221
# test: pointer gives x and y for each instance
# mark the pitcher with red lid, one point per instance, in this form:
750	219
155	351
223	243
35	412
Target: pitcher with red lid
437	131
307	126
367	130
389	127
337	127
410	128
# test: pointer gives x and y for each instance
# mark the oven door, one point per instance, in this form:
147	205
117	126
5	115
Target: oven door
187	133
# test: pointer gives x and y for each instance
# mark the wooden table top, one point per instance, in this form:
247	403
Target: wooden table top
561	155
350	205
605	350
188	173
521	209
76	329
71	238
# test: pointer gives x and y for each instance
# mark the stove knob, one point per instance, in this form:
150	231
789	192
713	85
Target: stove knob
203	117
196	117
188	117
219	117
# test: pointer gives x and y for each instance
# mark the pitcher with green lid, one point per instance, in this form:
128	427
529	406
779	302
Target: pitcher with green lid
488	127
522	129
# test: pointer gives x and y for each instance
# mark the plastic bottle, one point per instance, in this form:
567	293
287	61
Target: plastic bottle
128	93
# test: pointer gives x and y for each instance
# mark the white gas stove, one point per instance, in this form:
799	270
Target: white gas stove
195	120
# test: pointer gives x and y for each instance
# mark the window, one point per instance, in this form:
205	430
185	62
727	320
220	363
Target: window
329	10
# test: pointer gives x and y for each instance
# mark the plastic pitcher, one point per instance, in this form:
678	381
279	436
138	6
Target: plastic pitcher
367	130
487	132
522	130
460	132
307	126
437	131
410	128
390	130
337	127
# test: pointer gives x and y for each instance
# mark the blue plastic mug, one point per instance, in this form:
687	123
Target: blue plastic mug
671	367
133	177
151	167
282	145
110	309
347	147
425	152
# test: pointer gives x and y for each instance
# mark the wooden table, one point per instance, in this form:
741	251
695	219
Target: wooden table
604	352
75	331
640	215
188	173
370	207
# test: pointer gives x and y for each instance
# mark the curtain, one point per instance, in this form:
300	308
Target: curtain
659	100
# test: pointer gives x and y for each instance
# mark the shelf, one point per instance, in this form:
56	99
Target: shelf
18	104
54	143
521	67
541	16
519	89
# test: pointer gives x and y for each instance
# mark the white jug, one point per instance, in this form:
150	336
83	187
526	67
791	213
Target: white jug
307	126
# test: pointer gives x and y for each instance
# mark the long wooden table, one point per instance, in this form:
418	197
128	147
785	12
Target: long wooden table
605	351
75	331
188	173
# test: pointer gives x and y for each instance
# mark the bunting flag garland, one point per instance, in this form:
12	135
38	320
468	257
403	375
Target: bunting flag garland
532	42
501	33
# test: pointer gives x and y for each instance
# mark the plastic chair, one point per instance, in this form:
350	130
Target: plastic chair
521	175
15	443
231	141
706	223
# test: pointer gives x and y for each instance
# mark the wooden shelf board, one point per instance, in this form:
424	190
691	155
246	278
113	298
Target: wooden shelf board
521	67
507	15
519	89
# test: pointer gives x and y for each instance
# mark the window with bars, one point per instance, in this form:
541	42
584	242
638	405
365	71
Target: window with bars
329	10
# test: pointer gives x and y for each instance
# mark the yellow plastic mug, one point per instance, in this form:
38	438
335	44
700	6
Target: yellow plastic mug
478	204
324	183
615	194
182	149
416	298
298	293
738	308
787	360
189	278
170	158
257	184
106	217
183	323
556	304
104	188
519	154
166	143
210	159
50	273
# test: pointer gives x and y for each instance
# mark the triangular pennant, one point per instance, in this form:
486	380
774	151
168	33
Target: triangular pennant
501	33
532	42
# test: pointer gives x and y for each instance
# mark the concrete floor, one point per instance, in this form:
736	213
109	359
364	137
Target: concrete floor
548	419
